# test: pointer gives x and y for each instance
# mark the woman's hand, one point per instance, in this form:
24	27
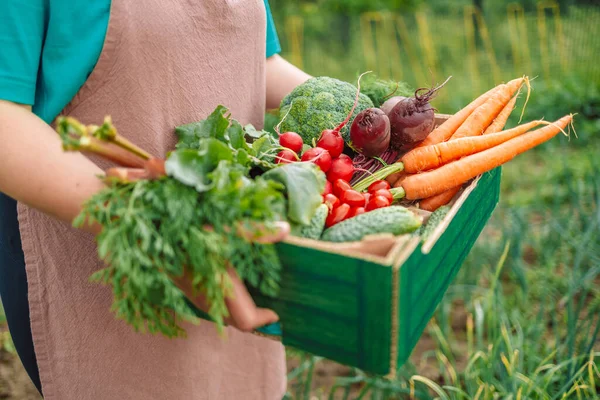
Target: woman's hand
244	314
282	78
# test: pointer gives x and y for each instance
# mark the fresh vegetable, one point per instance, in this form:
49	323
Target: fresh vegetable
434	202
383	193
353	198
483	115
328	188
198	209
370	132
379	90
427	184
316	226
337	215
432	222
412	119
340	186
363	184
376	201
501	119
378	185
396	220
354	211
390	103
341	168
365	166
292	141
319	156
331	201
331	141
285	157
430	157
318	104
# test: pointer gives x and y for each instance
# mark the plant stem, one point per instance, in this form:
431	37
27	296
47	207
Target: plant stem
107	132
378	175
398	193
109	151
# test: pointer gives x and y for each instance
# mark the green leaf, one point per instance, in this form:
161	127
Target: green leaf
235	134
214	126
304	183
264	148
253	133
191	167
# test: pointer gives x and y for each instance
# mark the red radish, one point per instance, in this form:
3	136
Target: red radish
341	169
331	141
337	215
354	211
331	200
285	157
319	156
385	193
353	198
292	141
370	132
367	197
340	186
378	185
328	188
377	202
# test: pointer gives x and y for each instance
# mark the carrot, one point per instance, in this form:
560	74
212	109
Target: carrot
431	157
434	202
483	116
501	119
445	130
456	173
392	178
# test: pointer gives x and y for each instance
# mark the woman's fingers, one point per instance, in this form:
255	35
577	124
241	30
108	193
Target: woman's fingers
244	315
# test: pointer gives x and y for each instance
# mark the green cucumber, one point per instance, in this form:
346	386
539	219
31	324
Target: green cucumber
432	222
396	220
316	226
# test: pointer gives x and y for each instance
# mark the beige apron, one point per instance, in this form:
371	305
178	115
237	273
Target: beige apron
163	63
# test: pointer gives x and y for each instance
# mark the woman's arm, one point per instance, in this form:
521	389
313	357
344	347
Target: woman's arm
282	78
36	171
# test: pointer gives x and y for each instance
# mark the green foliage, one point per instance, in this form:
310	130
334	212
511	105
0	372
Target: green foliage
379	90
320	103
190	222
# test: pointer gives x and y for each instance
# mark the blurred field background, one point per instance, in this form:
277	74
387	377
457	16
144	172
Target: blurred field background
522	320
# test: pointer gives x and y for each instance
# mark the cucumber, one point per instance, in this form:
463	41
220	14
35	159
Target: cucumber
432	222
396	220
316	226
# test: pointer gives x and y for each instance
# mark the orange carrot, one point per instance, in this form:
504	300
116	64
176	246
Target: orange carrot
483	116
445	131
501	119
434	202
430	157
431	183
392	178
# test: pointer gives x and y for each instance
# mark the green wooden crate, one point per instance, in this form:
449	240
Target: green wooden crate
367	310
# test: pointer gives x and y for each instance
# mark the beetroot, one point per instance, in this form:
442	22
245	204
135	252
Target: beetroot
412	119
390	103
370	132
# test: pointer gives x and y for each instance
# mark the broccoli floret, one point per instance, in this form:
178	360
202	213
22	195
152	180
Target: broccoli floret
320	103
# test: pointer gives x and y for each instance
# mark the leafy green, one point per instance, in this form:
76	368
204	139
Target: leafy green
188	221
304	183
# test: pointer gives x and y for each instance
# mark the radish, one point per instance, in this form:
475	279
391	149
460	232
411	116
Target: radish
319	156
341	168
370	132
331	141
292	141
286	156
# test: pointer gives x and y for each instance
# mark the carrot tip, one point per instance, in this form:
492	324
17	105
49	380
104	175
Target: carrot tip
527	82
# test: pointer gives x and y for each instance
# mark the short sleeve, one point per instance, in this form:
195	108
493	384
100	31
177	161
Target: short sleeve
22	25
273	46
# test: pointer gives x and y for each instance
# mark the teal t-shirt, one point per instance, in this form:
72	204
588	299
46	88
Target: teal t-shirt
49	47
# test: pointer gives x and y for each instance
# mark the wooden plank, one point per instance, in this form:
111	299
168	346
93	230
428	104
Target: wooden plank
424	278
374	296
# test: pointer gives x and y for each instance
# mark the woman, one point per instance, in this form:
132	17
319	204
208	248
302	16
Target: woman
151	65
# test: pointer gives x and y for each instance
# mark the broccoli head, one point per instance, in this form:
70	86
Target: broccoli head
320	103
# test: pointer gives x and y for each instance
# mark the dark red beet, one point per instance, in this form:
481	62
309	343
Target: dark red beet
390	103
412	119
370	132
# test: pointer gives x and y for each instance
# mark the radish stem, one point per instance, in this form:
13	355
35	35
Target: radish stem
378	175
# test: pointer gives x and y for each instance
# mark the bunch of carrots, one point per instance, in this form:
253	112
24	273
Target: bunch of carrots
469	143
